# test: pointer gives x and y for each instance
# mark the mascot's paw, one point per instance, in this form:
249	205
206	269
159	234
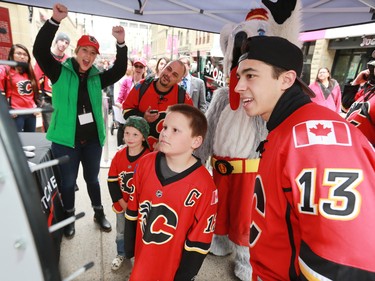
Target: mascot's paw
242	267
221	245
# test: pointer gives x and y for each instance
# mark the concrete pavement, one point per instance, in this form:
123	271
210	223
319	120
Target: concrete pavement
92	245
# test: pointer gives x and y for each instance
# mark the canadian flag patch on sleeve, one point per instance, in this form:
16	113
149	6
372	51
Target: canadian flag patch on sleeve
321	132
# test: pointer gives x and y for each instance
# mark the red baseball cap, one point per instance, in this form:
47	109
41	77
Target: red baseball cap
88	40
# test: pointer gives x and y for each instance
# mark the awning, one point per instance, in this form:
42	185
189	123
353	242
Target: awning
212	15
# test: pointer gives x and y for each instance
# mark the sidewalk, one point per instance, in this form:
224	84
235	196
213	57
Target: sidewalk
92	245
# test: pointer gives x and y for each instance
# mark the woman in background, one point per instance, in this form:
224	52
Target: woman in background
162	62
327	90
139	72
20	87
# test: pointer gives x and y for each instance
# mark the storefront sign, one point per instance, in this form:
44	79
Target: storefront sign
352	43
215	72
367	42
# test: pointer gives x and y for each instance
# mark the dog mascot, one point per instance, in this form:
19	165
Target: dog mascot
233	139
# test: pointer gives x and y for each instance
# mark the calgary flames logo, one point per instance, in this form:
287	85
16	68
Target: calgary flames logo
126	182
24	87
158	223
92	39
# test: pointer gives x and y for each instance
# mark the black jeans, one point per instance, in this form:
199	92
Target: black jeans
89	154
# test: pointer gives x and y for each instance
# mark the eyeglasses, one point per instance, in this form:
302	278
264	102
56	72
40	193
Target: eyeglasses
139	66
20	54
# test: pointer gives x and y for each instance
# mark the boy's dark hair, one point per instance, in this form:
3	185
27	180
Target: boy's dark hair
198	121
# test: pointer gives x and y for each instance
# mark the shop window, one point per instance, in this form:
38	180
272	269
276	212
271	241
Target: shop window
348	63
308	51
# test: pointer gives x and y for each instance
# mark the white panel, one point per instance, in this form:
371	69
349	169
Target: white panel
18	255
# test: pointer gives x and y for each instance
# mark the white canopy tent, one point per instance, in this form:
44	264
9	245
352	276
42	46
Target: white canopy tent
211	15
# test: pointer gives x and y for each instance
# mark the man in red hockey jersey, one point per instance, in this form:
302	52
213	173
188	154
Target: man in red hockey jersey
152	101
313	211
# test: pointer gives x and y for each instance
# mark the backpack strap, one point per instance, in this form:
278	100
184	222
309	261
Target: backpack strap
144	86
181	95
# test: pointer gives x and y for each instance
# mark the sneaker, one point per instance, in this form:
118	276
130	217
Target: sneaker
117	262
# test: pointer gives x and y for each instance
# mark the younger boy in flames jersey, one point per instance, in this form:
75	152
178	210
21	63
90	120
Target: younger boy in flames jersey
120	176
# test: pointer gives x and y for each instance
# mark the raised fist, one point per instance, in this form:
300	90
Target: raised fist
119	33
59	12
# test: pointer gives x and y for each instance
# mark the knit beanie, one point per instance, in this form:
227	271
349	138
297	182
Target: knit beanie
62	36
140	124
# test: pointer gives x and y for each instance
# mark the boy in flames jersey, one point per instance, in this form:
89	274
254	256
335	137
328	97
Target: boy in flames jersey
313	210
120	176
171	214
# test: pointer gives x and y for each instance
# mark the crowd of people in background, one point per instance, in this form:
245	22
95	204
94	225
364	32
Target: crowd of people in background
138	68
158	109
26	86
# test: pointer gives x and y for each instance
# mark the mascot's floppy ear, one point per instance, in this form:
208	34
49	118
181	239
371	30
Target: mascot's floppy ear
258	16
224	36
234	98
226	45
231	48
